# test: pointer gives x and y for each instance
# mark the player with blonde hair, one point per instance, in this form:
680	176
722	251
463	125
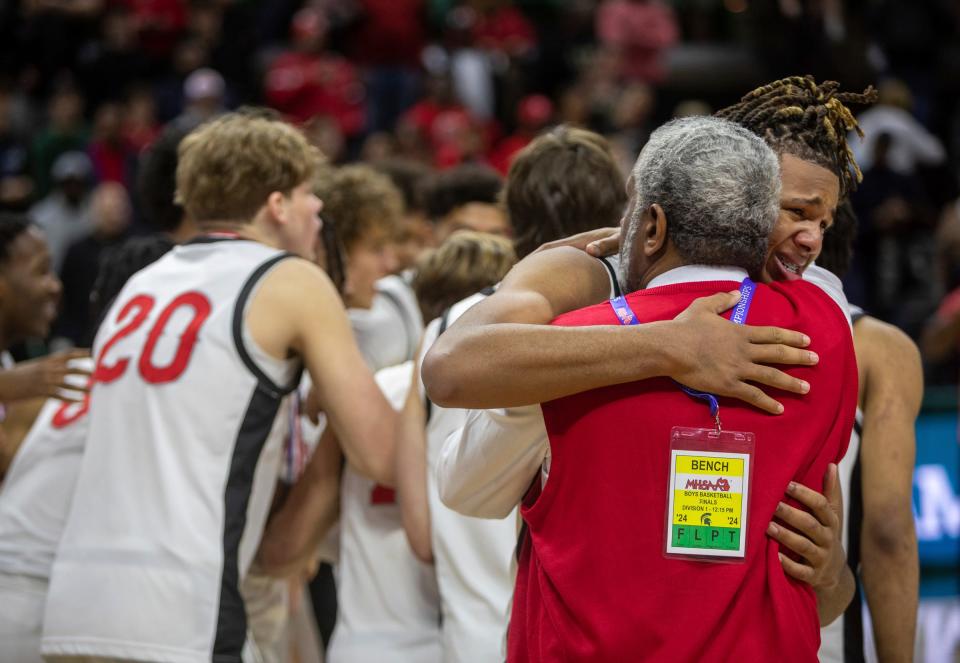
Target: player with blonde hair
193	362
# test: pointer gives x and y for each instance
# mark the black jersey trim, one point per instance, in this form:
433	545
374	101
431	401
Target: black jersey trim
853	651
257	422
238	310
212	239
613	277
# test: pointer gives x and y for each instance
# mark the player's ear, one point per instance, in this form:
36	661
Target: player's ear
277	206
653	232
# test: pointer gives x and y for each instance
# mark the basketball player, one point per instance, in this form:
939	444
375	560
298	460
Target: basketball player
596	581
194	358
387	599
473	557
796	116
877	476
29	294
465	198
36	494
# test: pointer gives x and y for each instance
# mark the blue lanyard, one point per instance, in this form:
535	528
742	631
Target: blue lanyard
626	316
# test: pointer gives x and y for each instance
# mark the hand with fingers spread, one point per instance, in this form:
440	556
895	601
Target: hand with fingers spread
715	355
814	536
47	377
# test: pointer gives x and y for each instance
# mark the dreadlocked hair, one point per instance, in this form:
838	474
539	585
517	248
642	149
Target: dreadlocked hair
797	116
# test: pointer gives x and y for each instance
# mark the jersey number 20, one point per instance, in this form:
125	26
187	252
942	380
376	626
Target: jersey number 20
135	312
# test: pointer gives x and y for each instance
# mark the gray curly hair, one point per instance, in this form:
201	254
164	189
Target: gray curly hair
719	186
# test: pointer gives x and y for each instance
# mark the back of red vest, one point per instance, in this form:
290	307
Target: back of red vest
593	582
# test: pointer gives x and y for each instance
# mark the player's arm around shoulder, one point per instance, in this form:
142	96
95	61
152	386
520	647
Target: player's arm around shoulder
891	393
508	333
296	311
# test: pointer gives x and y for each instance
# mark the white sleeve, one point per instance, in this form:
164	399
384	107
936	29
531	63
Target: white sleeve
830	284
486	467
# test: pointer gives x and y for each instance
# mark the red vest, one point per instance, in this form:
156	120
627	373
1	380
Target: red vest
593	583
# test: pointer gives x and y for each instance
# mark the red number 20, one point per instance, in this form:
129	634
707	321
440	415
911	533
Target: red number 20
137	310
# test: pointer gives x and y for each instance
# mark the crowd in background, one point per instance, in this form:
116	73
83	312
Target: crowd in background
85	86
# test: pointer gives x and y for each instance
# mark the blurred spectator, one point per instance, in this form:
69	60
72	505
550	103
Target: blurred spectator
574	107
638	32
64	215
441	122
533	114
324	133
465	198
16	185
470	67
630	123
65	132
111	154
502	28
159	23
110	213
894	254
110	65
379	146
189	55
691	108
140	126
387	42
911	145
309	81
941	335
53	32
203	93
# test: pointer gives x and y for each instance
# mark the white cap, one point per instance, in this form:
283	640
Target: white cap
203	84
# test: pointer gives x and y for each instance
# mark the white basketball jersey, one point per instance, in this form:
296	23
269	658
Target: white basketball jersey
186	424
36	494
473	556
388	610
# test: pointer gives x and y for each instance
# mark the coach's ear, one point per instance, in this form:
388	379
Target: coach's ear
653	230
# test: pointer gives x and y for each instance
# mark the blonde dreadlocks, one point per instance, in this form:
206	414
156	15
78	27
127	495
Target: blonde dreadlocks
797	116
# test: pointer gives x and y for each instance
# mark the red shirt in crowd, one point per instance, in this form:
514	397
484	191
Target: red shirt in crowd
593	583
304	85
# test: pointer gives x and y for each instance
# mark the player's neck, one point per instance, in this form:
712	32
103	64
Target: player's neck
250	231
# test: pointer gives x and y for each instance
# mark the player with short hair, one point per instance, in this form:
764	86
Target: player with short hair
465	197
37	491
29	294
186	419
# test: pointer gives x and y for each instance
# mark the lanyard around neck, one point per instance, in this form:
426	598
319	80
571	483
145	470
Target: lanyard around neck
626	316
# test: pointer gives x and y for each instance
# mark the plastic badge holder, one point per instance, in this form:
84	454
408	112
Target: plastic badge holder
708	498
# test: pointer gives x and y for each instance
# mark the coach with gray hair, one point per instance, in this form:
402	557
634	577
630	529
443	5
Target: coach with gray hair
647	540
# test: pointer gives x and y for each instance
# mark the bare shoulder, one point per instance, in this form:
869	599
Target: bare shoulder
881	343
293	297
295	282
889	362
567	278
561	262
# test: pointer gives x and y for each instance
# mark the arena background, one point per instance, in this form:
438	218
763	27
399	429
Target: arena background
86	85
